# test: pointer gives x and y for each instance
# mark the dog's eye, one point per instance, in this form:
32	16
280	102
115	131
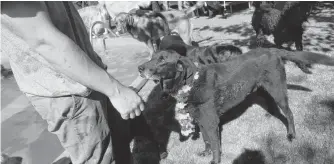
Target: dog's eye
161	59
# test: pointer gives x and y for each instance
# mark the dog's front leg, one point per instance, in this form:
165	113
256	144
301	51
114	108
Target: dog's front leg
210	123
207	150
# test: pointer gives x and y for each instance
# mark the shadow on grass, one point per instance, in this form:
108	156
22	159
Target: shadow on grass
304	151
322	116
250	157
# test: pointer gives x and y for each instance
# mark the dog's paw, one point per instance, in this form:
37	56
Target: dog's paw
163	155
204	153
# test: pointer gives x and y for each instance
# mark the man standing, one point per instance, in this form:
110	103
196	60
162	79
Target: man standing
56	67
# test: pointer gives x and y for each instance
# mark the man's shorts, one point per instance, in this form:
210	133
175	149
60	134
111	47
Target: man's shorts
80	124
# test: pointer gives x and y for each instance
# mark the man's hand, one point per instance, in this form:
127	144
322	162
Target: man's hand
127	102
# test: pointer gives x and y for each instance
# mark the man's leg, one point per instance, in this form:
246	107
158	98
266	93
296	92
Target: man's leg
80	124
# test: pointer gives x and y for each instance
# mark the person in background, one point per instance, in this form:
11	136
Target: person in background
57	69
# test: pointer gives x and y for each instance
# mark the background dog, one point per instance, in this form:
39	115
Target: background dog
147	26
282	19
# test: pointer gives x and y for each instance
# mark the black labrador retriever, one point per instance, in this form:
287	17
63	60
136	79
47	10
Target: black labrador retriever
205	94
199	55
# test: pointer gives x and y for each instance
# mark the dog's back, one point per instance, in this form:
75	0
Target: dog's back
256	58
213	54
232	80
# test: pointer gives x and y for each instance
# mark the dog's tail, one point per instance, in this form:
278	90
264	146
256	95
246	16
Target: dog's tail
304	59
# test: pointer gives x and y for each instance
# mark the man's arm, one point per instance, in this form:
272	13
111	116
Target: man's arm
32	23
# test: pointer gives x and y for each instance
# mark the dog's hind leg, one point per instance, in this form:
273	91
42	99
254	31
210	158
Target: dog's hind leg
210	124
279	93
282	102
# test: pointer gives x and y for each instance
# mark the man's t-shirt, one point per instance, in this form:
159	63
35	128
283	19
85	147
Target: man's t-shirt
32	72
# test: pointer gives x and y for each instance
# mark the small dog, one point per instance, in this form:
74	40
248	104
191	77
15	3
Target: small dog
205	94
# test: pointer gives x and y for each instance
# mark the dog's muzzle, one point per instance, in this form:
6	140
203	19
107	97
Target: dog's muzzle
143	73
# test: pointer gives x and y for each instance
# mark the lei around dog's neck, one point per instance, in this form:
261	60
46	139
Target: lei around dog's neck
183	93
182	115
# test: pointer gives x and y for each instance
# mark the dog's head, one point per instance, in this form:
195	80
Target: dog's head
169	68
150	70
120	22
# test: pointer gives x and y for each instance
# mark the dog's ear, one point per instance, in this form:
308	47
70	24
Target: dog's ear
183	63
180	65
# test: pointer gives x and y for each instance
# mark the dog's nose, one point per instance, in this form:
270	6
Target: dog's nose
141	68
